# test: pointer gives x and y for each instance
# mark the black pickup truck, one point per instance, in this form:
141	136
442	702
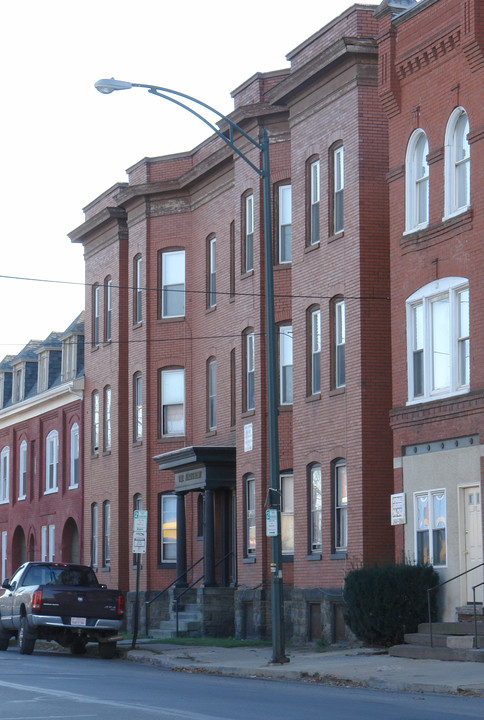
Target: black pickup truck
61	602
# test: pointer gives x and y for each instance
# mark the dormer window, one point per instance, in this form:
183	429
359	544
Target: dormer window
43	372
69	358
18	384
2	390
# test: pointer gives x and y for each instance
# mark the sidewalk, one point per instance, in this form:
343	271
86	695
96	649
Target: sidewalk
357	667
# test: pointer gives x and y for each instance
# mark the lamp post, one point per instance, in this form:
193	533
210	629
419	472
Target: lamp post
107	86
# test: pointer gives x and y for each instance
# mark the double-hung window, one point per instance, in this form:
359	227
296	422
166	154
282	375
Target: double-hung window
168	528
95	422
96	309
173	283
248	234
22	471
315	504
339	331
457	163
287	513
106	534
51	461
107	419
431	527
250	524
172	402
137	291
138	407
315	352
285	364
340	506
313	202
285	223
417	182
4	474
108	308
438	343
74	469
94	535
249	375
212	272
338	190
212	394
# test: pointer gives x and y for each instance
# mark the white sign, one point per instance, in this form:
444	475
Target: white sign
139	542
140	521
398	509
248	437
271	523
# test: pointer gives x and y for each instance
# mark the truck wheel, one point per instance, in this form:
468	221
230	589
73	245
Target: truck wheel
107	650
26	642
78	647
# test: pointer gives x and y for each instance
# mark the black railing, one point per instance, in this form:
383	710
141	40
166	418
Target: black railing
436	587
158	595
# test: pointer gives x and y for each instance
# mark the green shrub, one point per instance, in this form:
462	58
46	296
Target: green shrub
382	603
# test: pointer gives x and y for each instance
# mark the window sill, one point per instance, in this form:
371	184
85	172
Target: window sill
51	492
170	318
285	408
106	569
248	560
137	443
94	455
94	347
248	413
106	453
282	266
210	309
338	555
434	398
22	497
137	325
336	236
211	433
107	342
288	558
167	566
313	398
247	274
72	487
314	556
4	502
337	391
456	213
313	246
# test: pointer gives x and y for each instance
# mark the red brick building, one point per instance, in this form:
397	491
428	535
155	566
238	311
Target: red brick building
41	438
176	398
431	70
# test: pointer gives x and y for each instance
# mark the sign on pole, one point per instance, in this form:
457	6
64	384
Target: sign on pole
139	542
140	521
271	523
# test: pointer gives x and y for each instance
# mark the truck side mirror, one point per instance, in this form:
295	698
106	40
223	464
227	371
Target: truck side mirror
6	584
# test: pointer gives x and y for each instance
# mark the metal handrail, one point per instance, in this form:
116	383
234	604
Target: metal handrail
195	582
475	613
148	602
435	587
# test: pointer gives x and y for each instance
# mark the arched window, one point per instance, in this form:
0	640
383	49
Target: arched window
457	163
4	474
51	461
74	473
417	182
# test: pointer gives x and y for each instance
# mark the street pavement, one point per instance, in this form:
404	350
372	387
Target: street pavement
336	665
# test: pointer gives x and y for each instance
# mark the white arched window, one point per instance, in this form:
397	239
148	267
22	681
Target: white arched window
51	461
438	340
74	469
4	474
457	164
416	182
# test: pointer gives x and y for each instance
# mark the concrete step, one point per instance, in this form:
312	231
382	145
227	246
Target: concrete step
452	628
462	642
419	652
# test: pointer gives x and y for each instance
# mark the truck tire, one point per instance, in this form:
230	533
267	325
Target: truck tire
26	641
107	650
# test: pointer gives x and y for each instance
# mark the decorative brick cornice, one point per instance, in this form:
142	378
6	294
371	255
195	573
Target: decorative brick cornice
436	234
438	410
424	57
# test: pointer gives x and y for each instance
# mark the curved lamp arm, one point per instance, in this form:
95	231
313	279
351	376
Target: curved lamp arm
109	85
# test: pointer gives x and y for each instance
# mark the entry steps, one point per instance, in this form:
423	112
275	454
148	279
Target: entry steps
189	623
450	640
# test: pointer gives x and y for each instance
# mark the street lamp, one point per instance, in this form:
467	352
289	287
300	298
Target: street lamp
107	86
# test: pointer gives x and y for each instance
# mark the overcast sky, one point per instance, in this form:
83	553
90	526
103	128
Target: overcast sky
63	143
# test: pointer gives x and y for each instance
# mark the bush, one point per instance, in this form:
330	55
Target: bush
383	603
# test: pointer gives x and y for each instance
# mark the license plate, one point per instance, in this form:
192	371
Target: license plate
78	621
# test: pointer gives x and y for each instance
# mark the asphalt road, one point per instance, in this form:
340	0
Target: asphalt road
52	686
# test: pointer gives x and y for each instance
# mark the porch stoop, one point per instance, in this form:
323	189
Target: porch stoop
451	640
189	623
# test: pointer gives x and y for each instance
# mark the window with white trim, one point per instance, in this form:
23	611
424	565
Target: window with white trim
137	291
19	383
212	394
249	371
431	528
313	202
287	513
338	189
4	475
106	534
108	308
285	223
51	556
212	272
43	371
315	352
51	461
457	164
138	407
340	506
74	463
285	364
172	402
248	234
416	182
69	358
250	518
107	419
173	283
4	554
94	536
96	299
438	342
339	348
22	471
95	422
316	506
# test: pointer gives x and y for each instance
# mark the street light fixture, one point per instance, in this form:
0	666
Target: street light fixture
107	86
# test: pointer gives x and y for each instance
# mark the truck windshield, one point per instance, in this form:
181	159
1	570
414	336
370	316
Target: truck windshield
70	576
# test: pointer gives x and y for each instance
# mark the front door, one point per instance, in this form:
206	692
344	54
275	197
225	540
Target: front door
473	540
